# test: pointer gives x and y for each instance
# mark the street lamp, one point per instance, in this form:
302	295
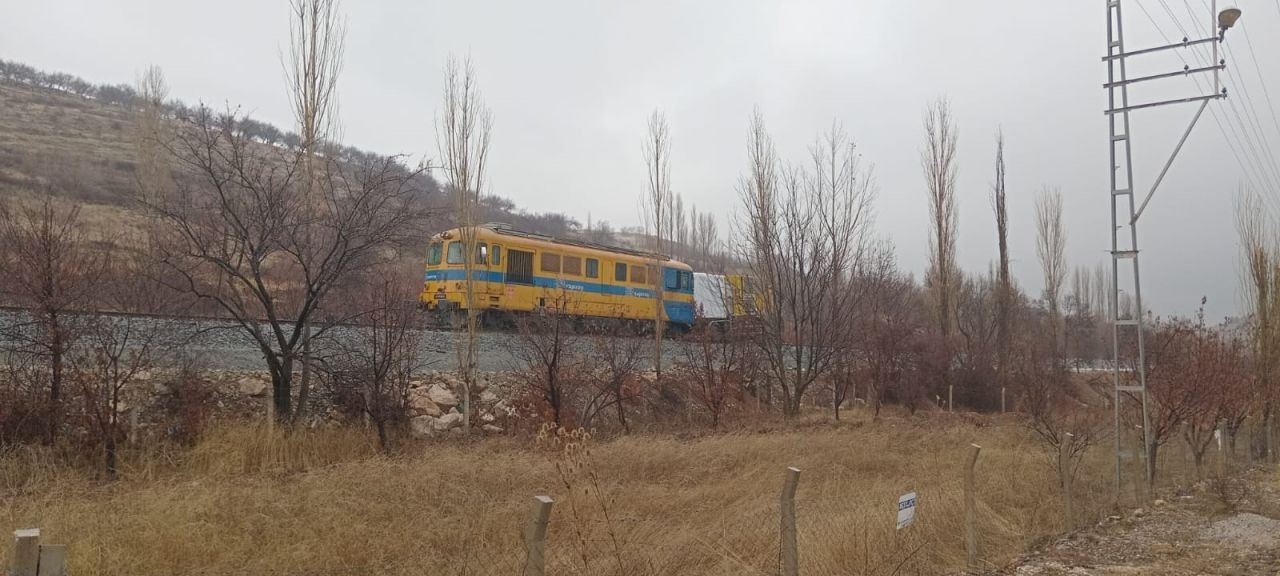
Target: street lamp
1226	19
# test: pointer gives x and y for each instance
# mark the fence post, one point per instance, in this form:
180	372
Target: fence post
970	508
790	555
535	536
951	407
1002	399
53	560
26	552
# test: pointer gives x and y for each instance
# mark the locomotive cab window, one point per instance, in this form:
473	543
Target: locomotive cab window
495	257
672	280
455	253
550	263
434	253
620	272
638	275
593	268
482	253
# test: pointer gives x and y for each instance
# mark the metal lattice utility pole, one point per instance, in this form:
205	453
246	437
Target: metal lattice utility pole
1124	202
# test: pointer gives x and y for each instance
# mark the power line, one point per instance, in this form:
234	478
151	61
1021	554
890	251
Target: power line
1247	140
1247	167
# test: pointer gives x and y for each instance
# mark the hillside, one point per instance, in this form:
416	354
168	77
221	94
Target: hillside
73	145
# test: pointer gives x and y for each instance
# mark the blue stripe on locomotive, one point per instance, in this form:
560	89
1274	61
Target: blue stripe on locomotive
677	312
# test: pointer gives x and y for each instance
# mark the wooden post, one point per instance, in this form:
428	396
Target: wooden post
1064	476
1002	399
950	406
1248	441
133	425
26	552
535	536
790	555
53	560
971	508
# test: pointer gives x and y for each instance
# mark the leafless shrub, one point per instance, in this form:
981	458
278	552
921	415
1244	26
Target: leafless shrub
548	358
615	379
372	366
717	366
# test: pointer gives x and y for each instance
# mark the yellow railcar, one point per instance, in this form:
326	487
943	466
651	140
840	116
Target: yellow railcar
518	272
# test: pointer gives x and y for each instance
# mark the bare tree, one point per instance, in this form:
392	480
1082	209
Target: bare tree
1260	284
462	136
806	241
152	134
50	268
657	204
317	37
234	233
1004	285
938	159
1051	241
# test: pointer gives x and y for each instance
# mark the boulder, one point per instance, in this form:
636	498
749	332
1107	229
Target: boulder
491	429
452	419
423	426
252	386
487	397
420	403
487	418
442	396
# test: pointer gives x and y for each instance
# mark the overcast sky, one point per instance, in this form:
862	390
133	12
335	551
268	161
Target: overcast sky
571	85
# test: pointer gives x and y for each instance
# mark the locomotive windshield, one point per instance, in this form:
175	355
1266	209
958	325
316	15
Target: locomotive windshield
433	254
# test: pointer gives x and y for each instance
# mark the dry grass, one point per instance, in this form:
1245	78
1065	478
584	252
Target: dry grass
246	501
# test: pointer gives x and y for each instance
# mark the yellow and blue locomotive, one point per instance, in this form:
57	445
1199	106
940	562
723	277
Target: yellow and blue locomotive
515	272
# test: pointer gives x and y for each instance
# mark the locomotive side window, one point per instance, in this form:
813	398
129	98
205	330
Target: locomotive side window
638	275
482	253
620	272
593	268
550	263
455	253
572	265
496	255
434	253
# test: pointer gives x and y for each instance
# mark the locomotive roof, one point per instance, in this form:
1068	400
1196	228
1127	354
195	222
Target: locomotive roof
507	230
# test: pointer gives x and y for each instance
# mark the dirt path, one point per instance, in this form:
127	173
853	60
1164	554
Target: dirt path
1226	528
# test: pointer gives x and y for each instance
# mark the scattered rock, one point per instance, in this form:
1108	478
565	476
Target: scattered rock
487	418
423	426
488	397
441	396
421	403
1159	502
448	421
491	429
1138	513
251	386
1246	530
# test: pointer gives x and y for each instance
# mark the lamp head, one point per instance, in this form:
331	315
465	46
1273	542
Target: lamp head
1227	18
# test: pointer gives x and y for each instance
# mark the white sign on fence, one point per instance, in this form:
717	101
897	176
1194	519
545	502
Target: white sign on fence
906	510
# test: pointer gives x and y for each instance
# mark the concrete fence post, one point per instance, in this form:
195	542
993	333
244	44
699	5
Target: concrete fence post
53	560
790	553
26	552
535	536
951	407
971	507
1002	400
